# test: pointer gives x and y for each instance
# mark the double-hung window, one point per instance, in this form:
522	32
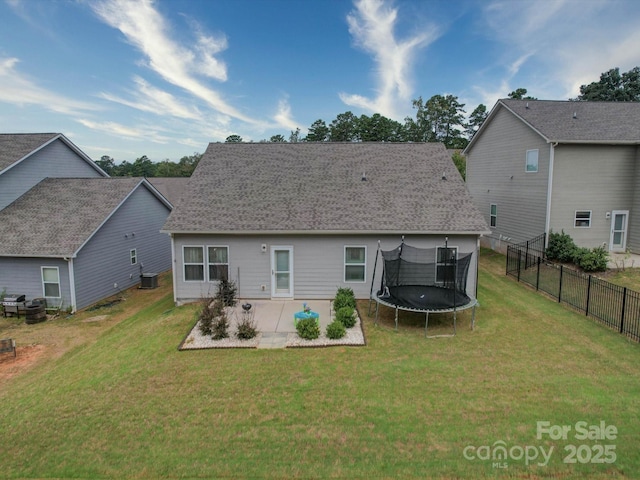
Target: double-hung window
51	282
355	264
218	263
193	260
133	255
445	264
532	161
493	215
582	219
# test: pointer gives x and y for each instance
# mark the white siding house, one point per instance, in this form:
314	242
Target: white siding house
537	166
300	220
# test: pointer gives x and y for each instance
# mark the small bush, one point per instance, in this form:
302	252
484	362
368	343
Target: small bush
227	292
308	328
346	316
220	322
336	330
561	247
591	260
344	298
246	327
206	316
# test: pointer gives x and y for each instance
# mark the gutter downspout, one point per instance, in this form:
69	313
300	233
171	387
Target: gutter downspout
547	222
173	269
72	284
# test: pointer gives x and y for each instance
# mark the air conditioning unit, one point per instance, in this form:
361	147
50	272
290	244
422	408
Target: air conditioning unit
149	280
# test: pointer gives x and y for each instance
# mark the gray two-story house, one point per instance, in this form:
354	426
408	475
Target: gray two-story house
537	166
68	232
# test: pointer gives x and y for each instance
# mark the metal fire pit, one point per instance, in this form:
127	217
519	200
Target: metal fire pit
12	304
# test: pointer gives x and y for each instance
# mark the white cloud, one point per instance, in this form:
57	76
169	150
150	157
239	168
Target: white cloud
145	28
151	99
566	44
16	88
371	25
283	117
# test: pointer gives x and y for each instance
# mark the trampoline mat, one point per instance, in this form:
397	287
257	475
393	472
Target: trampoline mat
425	298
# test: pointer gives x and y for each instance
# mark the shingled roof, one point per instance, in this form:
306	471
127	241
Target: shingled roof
577	122
57	216
15	147
326	188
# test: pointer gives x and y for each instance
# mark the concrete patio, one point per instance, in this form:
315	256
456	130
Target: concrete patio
276	316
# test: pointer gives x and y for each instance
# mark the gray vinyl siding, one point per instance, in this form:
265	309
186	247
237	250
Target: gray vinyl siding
55	160
633	239
24	276
105	260
496	174
318	262
599	178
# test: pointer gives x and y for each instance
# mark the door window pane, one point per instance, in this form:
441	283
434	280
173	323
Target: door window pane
282	261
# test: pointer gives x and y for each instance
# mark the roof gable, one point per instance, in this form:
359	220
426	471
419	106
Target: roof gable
59	215
326	187
574	122
16	147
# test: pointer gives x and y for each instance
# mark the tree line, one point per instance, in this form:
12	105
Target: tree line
441	118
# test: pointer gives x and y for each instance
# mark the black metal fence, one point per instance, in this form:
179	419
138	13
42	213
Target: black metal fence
615	306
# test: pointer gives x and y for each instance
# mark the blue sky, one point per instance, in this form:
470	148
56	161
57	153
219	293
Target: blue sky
163	78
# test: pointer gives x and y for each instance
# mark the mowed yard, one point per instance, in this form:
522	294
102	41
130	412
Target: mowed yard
114	398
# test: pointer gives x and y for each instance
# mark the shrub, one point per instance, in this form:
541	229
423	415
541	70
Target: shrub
227	290
346	316
246	327
206	316
308	328
344	298
591	260
220	322
561	247
336	330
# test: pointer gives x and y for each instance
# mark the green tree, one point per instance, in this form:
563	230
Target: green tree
520	94
277	139
613	87
460	162
188	164
439	119
294	136
167	168
344	128
476	119
143	167
233	139
318	132
378	128
107	164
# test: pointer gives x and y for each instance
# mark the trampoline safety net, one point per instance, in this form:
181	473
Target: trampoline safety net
425	278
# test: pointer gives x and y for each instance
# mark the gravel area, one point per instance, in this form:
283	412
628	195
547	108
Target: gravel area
195	340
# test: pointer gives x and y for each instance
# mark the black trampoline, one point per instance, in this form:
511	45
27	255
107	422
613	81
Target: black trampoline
426	280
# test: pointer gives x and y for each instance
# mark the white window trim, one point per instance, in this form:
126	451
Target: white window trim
451	247
575	219
209	263
492	216
344	263
44	293
133	255
526	161
184	264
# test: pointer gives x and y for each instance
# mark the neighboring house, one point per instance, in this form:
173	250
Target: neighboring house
76	241
27	158
299	220
537	166
171	188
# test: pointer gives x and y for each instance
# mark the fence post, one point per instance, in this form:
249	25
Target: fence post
624	301
586	310
538	275
560	286
526	258
519	262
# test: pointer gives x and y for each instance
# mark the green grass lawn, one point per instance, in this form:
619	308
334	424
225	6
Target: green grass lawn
128	404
